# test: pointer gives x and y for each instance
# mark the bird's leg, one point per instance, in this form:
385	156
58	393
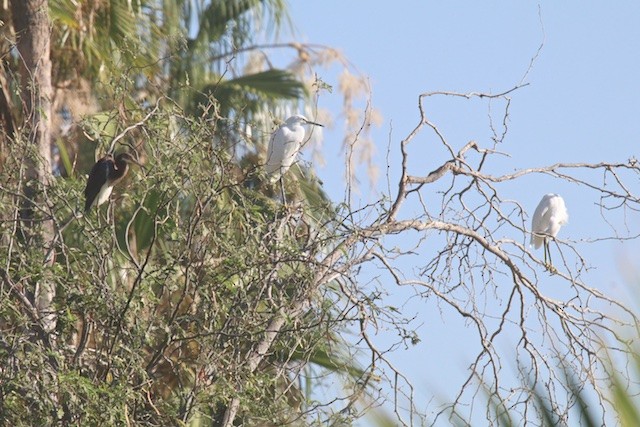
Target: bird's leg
99	217
108	212
284	199
548	264
106	216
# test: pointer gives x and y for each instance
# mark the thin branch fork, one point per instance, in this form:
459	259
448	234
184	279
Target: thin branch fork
144	120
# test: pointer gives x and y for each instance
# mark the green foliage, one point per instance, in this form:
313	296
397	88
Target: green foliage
110	35
251	91
164	293
584	406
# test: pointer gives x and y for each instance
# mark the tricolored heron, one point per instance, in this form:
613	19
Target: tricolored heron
284	145
104	175
550	215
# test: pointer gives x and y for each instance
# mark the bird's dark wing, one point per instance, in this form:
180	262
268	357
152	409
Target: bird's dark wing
97	177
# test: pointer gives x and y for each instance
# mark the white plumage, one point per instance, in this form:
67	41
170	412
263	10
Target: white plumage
103	194
284	145
550	215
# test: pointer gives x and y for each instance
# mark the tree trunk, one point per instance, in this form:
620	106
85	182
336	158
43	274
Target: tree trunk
32	29
7	120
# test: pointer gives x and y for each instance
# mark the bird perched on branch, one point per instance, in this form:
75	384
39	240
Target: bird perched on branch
104	175
550	215
284	145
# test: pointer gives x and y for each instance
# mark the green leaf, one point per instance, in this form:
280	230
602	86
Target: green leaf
143	224
250	89
64	155
271	83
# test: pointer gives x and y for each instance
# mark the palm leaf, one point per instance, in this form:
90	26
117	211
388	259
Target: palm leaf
340	363
250	92
143	224
624	402
63	12
576	388
64	155
216	17
271	84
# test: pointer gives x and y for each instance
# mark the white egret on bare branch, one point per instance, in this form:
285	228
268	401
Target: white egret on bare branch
550	215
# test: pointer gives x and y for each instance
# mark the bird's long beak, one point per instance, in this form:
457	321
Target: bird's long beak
140	165
309	122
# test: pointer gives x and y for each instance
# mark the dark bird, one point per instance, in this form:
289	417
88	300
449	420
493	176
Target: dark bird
104	175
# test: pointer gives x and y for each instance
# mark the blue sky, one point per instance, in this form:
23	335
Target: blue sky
582	104
583	88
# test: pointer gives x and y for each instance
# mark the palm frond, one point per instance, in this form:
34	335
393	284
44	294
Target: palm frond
270	84
250	92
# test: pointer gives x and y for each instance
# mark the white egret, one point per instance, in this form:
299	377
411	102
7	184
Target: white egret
550	215
284	145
